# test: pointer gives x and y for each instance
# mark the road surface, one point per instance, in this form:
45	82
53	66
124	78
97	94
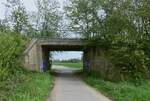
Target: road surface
69	87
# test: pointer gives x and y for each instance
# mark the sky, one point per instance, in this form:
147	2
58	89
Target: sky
30	6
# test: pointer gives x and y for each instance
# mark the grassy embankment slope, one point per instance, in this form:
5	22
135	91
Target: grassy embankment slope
36	87
121	91
17	84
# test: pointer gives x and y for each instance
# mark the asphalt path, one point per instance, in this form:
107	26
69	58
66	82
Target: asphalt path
69	87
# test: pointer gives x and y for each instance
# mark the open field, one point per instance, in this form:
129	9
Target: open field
69	64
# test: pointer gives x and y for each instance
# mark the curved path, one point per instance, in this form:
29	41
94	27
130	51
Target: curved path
69	87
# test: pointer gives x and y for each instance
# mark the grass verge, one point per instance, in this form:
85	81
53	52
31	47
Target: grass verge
122	91
35	87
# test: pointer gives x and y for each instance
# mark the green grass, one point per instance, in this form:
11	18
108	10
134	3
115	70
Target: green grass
36	87
122	91
69	64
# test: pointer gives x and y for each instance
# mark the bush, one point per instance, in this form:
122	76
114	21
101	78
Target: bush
131	62
130	57
11	49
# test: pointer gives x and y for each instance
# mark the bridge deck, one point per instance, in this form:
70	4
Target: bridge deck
58	42
61	44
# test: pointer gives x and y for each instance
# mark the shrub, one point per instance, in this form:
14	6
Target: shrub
11	48
130	57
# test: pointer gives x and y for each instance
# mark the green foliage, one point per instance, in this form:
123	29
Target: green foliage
3	27
122	91
36	87
130	60
11	72
82	14
16	83
18	17
11	49
121	28
49	17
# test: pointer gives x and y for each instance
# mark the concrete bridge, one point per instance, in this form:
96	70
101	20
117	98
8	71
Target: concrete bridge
36	56
37	53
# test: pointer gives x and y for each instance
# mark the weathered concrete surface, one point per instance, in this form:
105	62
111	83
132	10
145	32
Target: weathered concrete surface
69	87
31	56
99	63
36	56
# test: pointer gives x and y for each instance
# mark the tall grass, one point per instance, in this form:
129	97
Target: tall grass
16	84
121	91
36	87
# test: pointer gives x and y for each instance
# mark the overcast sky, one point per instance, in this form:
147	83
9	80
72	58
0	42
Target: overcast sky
30	6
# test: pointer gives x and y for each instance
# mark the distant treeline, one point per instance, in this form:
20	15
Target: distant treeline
69	60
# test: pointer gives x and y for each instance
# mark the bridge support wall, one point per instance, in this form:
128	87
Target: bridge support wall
45	65
32	58
37	58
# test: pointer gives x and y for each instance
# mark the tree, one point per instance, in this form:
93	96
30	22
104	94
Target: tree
3	26
18	16
48	18
121	28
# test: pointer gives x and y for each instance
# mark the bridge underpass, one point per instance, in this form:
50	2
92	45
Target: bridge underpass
48	50
67	87
37	54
